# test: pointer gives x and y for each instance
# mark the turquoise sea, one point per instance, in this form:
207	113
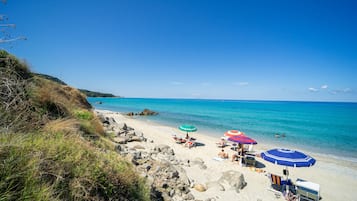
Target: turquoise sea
317	127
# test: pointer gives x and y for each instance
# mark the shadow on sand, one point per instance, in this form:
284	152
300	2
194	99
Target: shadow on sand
259	164
199	144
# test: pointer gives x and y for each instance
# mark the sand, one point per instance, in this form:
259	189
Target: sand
337	178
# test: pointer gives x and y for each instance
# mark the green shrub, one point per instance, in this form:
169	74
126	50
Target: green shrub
83	114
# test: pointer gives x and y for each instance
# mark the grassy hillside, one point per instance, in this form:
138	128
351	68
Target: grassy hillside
52	146
84	91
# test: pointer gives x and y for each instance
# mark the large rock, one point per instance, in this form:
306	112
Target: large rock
147	112
164	149
234	178
130	114
101	118
138	147
188	197
121	140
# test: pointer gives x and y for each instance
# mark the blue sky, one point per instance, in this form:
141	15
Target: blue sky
262	50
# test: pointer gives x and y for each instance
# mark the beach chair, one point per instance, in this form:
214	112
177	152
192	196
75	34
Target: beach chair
277	183
234	146
249	160
190	143
307	191
178	140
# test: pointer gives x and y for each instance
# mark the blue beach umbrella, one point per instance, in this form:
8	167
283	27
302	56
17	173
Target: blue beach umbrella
287	157
188	128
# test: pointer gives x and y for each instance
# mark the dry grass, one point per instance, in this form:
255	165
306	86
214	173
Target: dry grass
62	126
53	166
57	100
69	158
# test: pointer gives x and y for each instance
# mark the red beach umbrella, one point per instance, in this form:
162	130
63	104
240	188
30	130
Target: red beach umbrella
242	139
232	133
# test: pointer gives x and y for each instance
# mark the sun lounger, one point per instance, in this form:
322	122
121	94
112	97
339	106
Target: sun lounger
234	147
307	190
249	160
179	140
190	143
277	183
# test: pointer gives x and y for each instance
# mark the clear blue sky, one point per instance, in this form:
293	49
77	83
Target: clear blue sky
263	50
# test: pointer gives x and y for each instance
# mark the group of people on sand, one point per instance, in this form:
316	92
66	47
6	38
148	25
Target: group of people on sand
187	141
235	156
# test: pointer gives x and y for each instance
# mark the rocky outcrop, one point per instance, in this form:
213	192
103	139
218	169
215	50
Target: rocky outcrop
165	173
145	112
234	178
168	180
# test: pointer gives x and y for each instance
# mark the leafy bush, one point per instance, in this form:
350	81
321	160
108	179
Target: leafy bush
83	114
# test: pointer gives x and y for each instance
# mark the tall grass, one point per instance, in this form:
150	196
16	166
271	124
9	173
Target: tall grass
50	166
69	157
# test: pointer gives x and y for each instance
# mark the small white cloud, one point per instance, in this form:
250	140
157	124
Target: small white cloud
176	83
241	83
325	86
311	89
346	90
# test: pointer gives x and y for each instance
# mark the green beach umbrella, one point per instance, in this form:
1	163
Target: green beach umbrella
188	128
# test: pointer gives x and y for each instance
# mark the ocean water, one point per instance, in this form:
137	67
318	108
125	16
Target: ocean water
317	127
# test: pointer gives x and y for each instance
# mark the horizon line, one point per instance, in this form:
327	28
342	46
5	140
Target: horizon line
231	99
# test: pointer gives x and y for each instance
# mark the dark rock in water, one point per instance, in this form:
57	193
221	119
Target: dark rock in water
99	102
147	112
130	114
283	135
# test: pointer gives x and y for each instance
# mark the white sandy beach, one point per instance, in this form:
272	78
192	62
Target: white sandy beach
337	179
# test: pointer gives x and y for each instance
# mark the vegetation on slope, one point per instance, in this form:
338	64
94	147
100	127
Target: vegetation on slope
52	146
96	94
86	92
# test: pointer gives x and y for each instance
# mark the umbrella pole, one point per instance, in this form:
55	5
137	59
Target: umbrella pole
287	179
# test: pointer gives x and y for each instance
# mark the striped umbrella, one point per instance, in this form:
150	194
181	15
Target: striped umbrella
188	128
287	158
231	133
242	139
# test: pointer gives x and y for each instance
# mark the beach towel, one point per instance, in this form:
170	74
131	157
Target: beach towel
218	159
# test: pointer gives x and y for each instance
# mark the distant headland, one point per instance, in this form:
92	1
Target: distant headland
88	93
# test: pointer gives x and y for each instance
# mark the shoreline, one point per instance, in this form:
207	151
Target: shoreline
302	133
326	169
348	161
